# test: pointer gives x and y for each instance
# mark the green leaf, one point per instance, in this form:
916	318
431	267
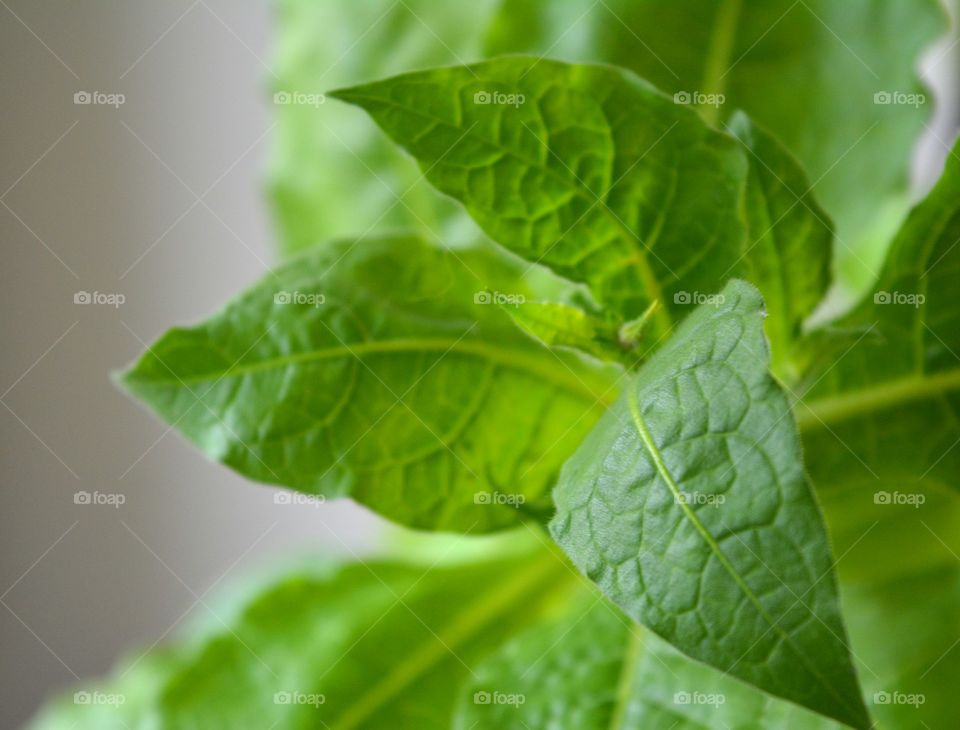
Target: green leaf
379	370
807	71
885	410
563	325
594	669
900	581
325	164
366	645
789	243
689	507
881	430
585	169
120	702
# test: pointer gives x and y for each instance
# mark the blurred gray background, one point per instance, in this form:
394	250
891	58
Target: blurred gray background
159	200
103	199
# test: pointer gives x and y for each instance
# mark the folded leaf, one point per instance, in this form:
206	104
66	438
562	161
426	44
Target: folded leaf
836	82
689	507
585	169
383	370
594	669
886	408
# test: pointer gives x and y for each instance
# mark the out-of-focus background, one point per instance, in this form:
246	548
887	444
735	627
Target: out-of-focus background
119	217
159	200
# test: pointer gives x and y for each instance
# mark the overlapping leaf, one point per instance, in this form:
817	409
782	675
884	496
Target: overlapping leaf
900	581
585	169
789	244
589	171
885	410
382	644
834	81
384	370
594	669
689	507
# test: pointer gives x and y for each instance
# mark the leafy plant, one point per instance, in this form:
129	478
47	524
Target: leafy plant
705	491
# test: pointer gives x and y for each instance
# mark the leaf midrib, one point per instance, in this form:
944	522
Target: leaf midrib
628	671
647	438
503	356
466	624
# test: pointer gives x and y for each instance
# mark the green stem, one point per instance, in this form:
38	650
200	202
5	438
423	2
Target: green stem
818	413
718	56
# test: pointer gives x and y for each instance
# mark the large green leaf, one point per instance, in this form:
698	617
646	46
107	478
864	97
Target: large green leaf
689	507
382	370
586	169
900	582
325	165
886	408
366	645
594	669
807	71
881	430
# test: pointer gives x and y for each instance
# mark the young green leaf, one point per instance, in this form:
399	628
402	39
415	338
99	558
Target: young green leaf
585	169
836	82
790	241
689	507
563	325
886	409
594	669
383	370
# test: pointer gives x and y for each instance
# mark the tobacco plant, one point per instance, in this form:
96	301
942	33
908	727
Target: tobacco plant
724	503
